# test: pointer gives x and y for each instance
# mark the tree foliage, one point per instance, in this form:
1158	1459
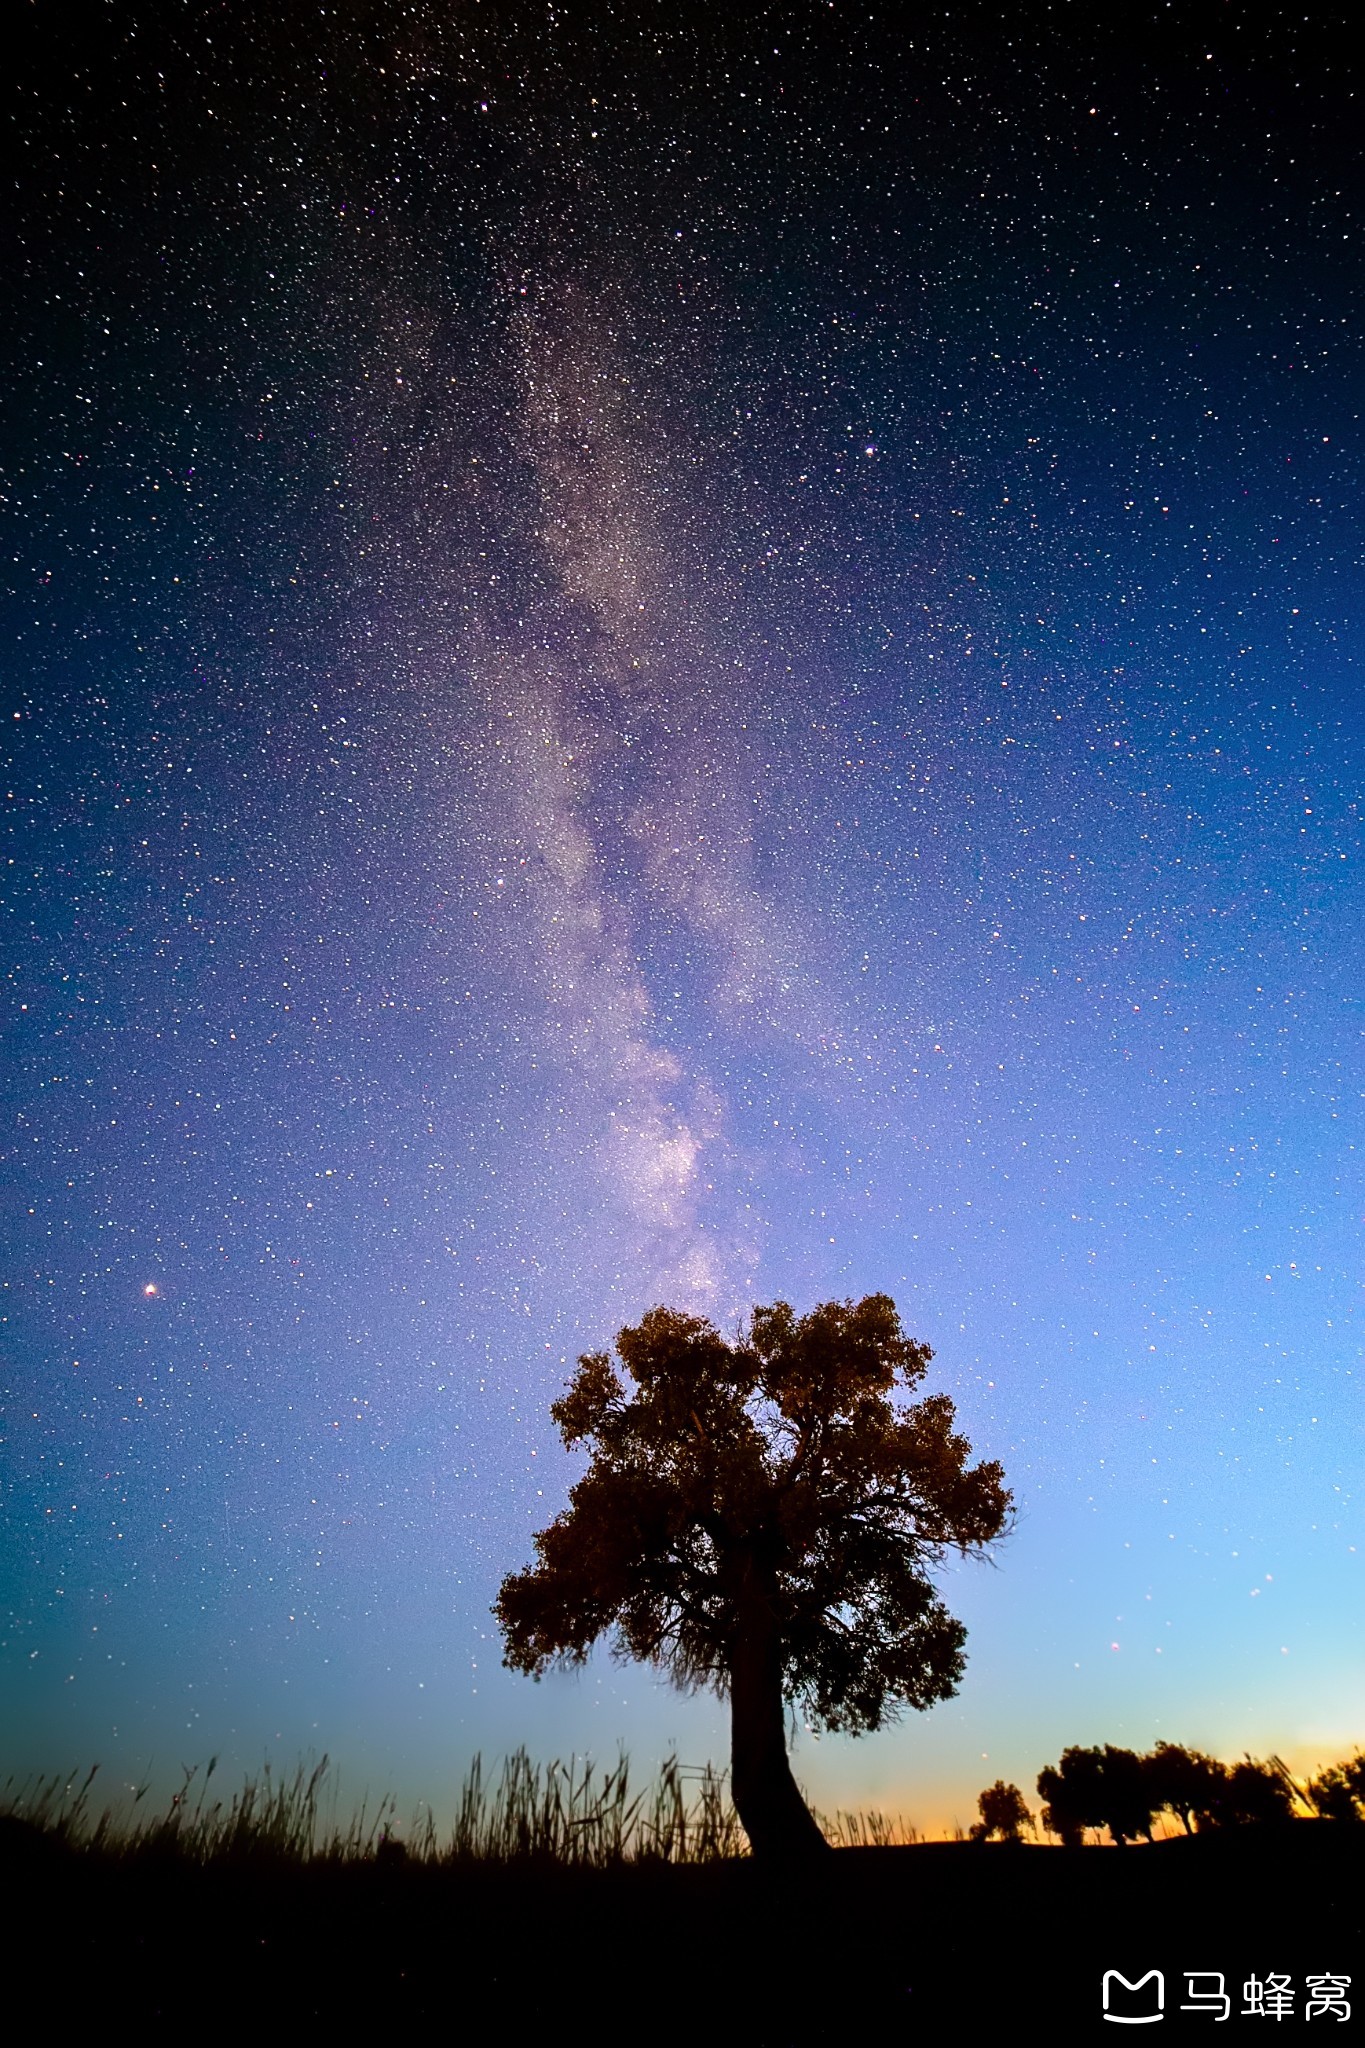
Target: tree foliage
1255	1793
1338	1793
783	1484
1186	1783
1123	1792
1096	1788
1004	1812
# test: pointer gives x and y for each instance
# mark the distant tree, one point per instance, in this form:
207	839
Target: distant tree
1003	1812
1096	1788
1255	1794
1337	1793
761	1518
1184	1782
1128	1806
1069	1791
1333	1796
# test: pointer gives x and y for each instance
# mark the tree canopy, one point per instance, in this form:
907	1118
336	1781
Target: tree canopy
1097	1788
1004	1812
761	1517
1124	1792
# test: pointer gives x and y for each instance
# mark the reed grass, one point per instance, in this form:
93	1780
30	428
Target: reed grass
570	1814
867	1831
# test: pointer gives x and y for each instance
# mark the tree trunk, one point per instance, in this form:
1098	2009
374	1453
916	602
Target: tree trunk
779	1824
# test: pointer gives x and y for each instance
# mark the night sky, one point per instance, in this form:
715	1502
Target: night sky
688	657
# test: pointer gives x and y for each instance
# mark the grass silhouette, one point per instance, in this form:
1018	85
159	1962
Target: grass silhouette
564	1813
568	1814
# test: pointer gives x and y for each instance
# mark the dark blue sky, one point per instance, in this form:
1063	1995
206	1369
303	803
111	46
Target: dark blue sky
672	657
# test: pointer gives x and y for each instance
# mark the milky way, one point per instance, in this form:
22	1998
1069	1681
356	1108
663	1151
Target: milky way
689	658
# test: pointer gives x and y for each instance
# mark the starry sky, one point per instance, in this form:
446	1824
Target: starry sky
691	655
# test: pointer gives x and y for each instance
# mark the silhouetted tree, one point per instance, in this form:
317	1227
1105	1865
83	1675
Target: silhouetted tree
1184	1782
1338	1793
1255	1793
1096	1788
761	1518
1003	1812
1066	1792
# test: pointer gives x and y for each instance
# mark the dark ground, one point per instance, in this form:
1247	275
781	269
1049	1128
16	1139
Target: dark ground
971	1943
